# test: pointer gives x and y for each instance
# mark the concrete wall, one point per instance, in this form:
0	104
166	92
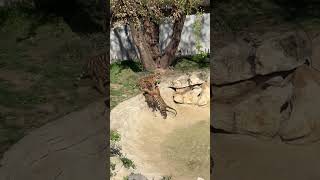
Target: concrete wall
122	46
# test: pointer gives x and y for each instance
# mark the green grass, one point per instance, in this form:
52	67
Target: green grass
123	76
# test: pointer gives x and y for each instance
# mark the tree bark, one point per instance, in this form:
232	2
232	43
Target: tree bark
143	48
147	41
169	53
151	34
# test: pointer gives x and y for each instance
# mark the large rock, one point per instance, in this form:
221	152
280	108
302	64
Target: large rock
262	84
72	147
243	56
304	123
260	113
256	111
230	63
316	52
282	52
192	88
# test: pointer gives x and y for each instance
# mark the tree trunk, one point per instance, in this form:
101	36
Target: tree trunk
147	41
169	53
144	51
151	34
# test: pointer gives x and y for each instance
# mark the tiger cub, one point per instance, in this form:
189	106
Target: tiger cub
96	68
152	95
149	97
161	105
147	84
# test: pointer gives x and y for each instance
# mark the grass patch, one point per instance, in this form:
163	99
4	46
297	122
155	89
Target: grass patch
198	61
123	77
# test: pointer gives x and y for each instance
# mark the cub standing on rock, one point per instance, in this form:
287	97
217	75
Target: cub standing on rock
151	92
96	68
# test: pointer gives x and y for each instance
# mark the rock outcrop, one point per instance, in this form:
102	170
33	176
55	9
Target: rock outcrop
192	89
72	147
267	86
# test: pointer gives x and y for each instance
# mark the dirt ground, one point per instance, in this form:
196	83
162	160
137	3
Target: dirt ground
177	146
240	157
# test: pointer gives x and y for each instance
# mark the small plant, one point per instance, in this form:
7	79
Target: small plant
126	178
127	163
115	136
115	149
112	166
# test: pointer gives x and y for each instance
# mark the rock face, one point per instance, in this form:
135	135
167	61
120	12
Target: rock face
192	89
303	124
265	87
244	57
72	147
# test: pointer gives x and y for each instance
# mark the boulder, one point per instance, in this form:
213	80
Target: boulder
282	52
189	79
255	111
192	88
304	125
230	63
242	58
316	52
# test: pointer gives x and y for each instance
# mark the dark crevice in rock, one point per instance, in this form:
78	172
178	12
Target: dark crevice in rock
284	106
258	79
218	131
293	139
98	132
38	160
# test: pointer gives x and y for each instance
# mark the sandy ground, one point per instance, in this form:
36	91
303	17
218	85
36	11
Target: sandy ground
239	157
148	139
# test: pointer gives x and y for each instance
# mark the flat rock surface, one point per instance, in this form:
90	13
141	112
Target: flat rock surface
72	147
